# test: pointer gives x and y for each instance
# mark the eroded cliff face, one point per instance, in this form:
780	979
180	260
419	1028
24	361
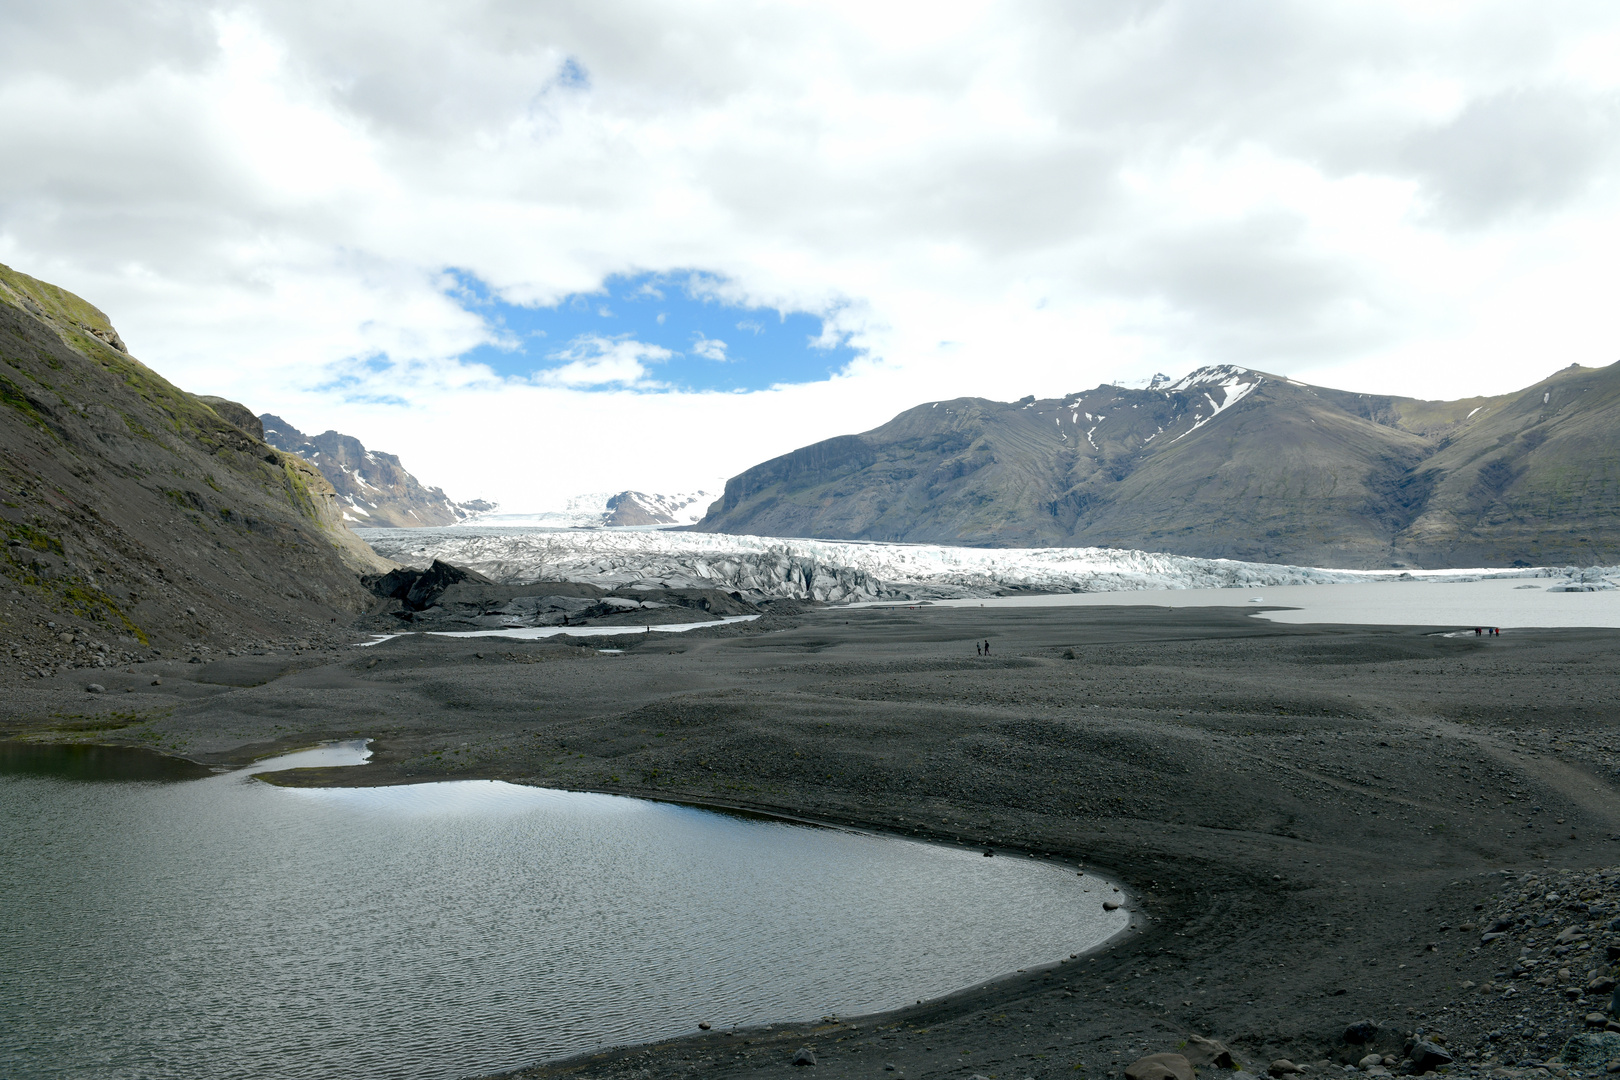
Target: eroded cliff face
1225	463
373	488
137	516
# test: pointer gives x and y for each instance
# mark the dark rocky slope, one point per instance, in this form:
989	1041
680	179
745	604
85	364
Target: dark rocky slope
373	487
137	517
1224	463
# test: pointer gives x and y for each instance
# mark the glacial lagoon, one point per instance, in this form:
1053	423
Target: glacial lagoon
157	921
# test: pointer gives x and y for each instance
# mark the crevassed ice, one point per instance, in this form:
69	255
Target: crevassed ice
847	571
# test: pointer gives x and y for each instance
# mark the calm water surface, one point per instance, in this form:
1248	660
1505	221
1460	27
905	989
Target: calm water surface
222	927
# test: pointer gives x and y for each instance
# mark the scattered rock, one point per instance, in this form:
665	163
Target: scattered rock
703	1025
157	681
805	1056
1201	1051
1427	1056
1370	1060
1282	1067
1112	905
1160	1067
95	688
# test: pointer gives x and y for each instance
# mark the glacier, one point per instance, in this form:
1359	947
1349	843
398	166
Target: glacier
843	571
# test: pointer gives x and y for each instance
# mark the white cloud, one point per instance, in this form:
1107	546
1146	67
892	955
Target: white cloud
709	348
266	198
593	360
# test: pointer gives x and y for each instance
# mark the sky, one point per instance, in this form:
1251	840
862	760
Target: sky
544	249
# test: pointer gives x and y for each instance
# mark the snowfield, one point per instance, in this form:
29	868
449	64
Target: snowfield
837	571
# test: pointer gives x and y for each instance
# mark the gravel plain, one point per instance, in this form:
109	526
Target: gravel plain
1316	825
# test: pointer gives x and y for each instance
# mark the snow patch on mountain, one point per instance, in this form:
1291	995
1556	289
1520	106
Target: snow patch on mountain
762	568
1232	383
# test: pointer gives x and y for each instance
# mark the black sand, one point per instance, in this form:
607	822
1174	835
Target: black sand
1307	817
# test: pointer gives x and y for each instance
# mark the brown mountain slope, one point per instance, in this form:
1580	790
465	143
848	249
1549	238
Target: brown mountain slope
373	488
135	516
1224	463
1536	481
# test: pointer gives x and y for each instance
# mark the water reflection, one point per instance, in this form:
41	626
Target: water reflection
74	762
229	928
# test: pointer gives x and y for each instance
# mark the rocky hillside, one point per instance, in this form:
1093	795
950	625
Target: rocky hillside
373	487
1226	462
140	518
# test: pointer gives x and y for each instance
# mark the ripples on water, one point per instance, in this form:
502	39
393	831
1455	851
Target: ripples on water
225	928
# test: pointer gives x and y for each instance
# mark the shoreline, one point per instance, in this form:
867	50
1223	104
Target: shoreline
1297	809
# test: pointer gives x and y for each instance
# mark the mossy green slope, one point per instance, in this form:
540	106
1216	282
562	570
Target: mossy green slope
133	511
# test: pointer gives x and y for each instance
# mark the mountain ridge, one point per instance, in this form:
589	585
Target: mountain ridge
374	488
1225	462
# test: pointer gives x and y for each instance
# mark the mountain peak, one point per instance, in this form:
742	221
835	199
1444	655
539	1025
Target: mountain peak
1223	462
373	488
1213	375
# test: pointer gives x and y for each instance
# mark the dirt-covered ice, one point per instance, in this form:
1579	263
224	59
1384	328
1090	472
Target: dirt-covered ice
848	571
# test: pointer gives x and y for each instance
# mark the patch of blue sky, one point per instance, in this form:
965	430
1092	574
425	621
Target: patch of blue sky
652	330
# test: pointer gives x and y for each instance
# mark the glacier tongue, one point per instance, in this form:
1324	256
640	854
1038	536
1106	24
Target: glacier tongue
838	571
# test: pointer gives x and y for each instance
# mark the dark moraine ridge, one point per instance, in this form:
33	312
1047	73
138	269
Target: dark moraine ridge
1312	819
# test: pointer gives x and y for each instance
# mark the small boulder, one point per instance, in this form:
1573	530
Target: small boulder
1427	1056
703	1025
805	1056
1596	1020
1201	1051
1160	1067
1370	1060
95	688
1112	905
1282	1067
1362	1031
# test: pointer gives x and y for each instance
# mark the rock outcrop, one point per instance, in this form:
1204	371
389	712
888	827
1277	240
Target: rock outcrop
447	597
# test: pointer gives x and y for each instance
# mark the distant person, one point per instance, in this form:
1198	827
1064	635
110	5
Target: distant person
976	650
987	646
